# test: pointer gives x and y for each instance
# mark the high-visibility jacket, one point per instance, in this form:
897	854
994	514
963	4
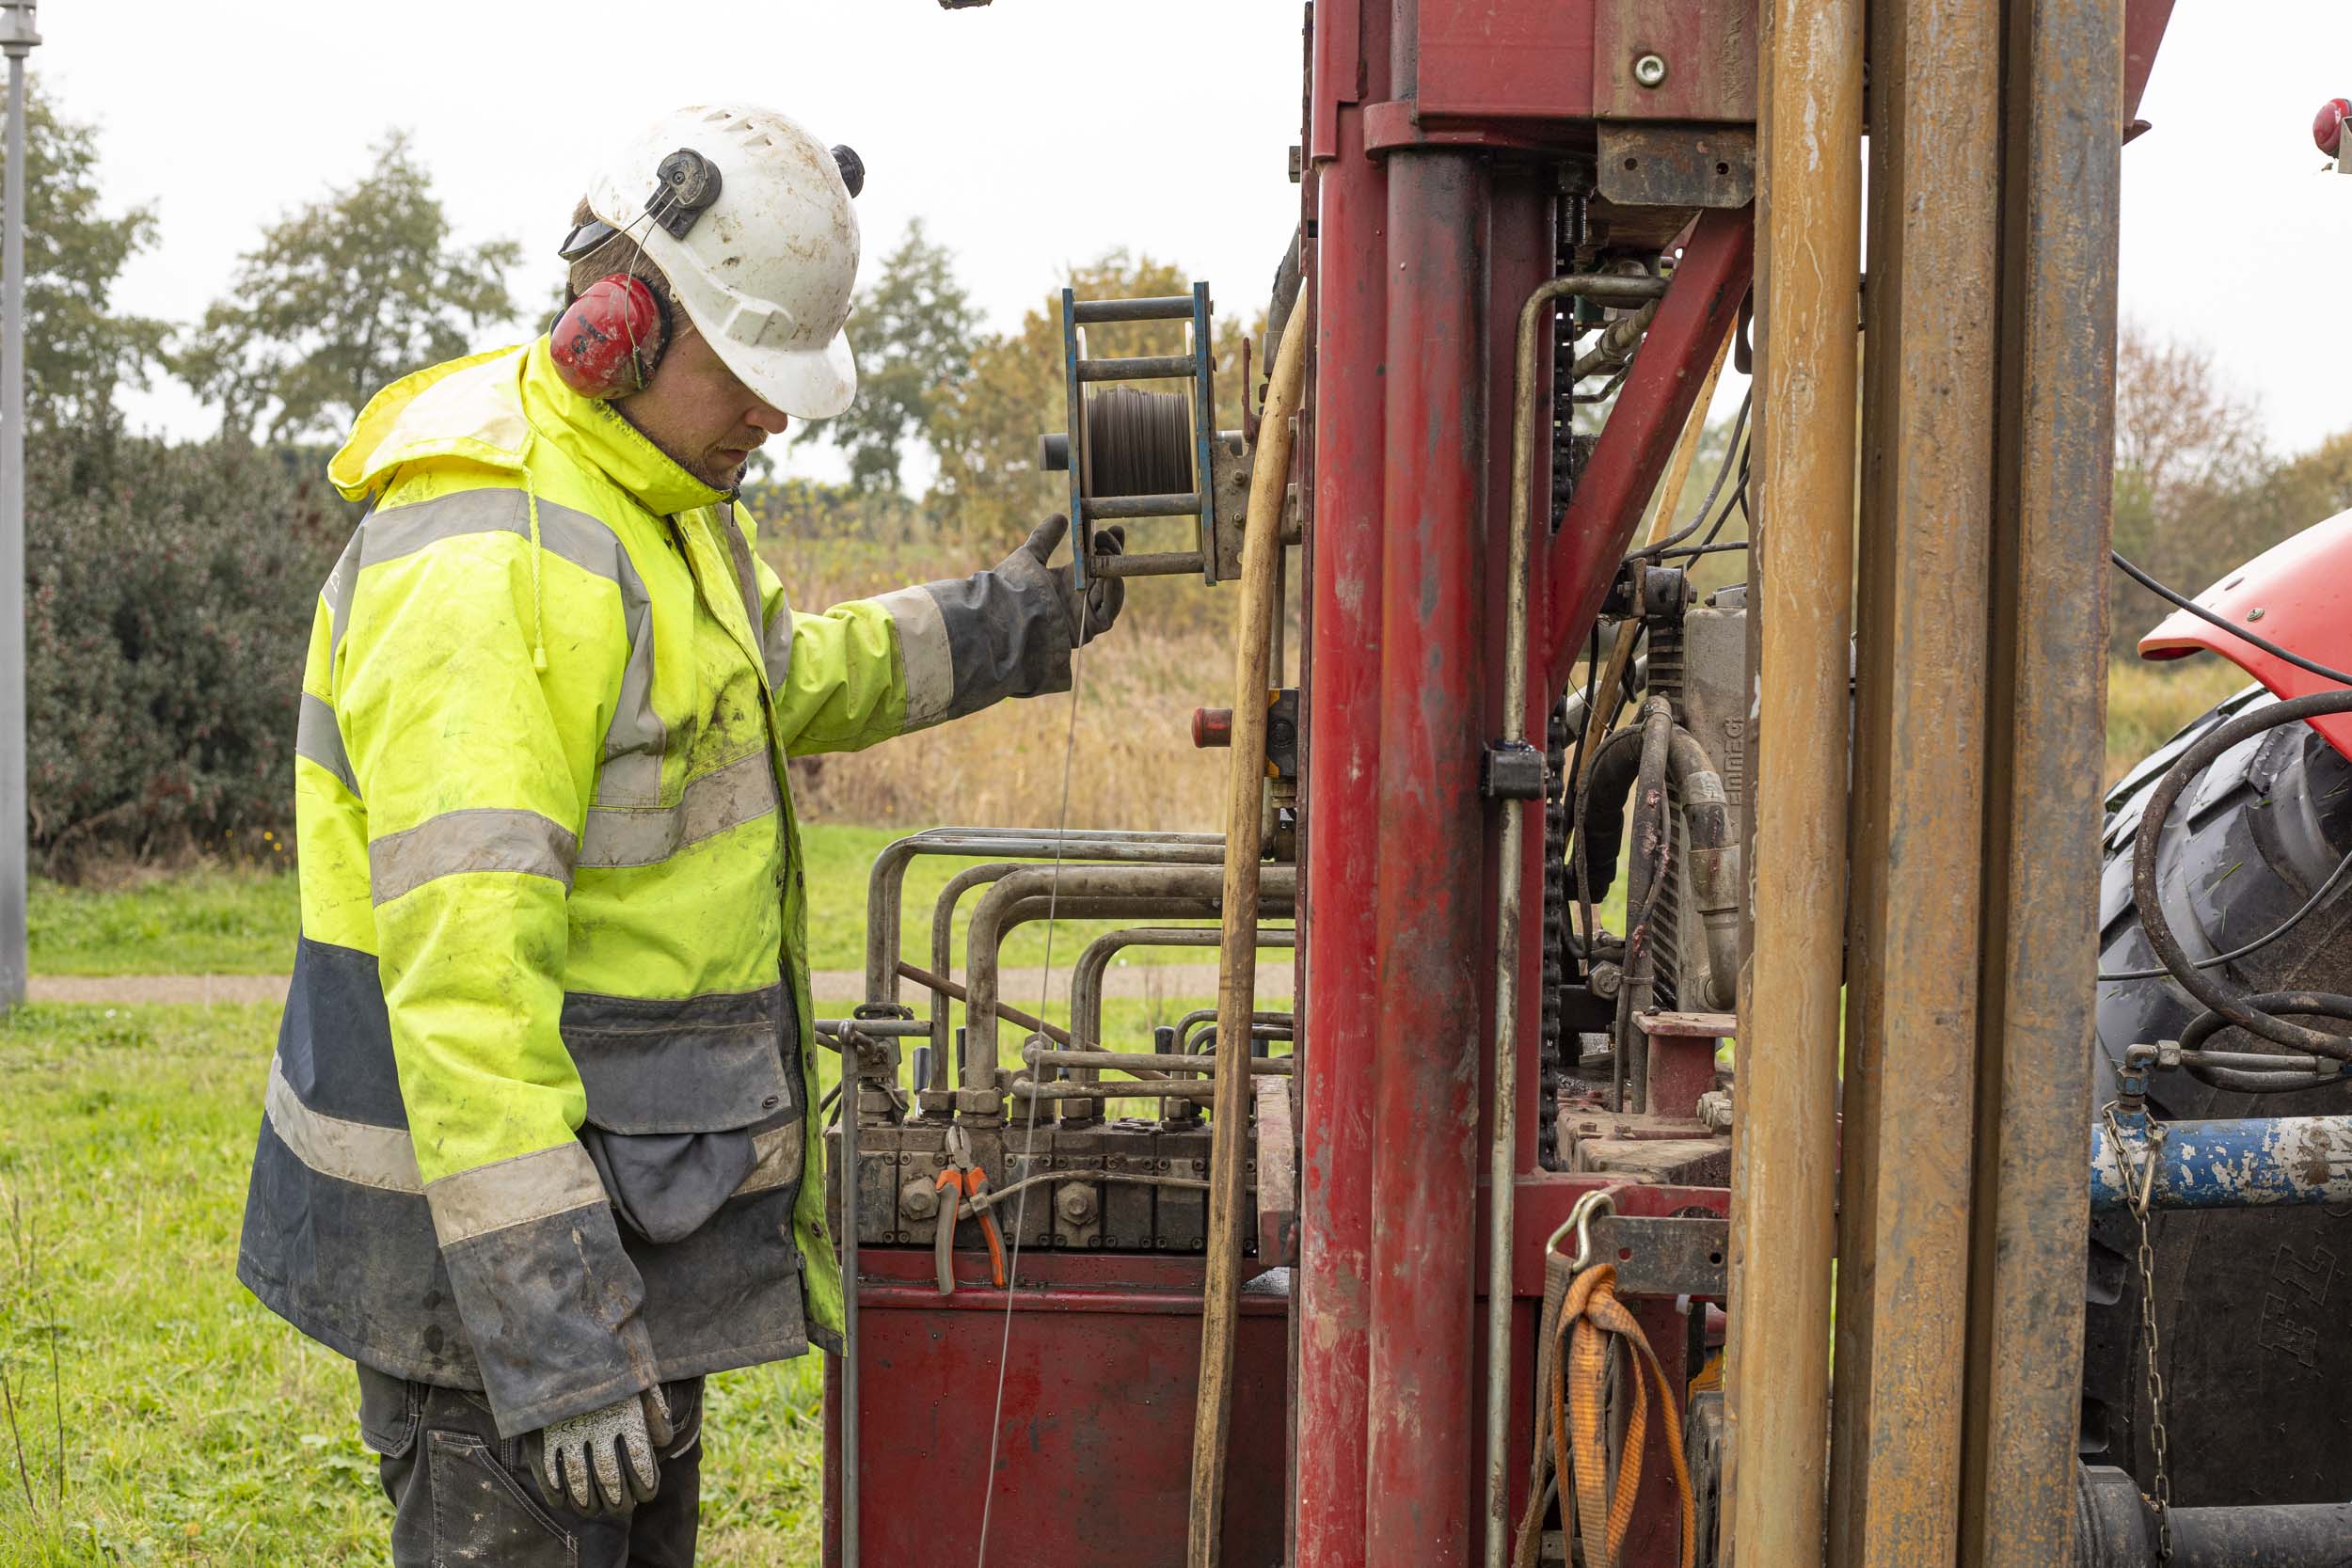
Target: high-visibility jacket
537	1120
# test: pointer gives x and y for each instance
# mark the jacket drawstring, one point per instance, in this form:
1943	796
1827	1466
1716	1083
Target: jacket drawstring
538	613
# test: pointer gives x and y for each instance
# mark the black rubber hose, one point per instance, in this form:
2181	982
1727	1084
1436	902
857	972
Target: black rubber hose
2205	1025
1611	773
2198	983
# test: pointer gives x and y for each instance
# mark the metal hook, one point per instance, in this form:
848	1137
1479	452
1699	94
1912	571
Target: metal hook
1598	1200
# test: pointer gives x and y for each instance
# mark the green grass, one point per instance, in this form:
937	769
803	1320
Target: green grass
199	1428
209	921
221	921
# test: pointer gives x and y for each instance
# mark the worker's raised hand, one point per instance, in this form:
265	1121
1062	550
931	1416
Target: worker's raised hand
605	1462
1105	596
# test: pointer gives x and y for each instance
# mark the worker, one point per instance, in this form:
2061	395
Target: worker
537	1150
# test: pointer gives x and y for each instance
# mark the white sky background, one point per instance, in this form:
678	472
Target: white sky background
1023	135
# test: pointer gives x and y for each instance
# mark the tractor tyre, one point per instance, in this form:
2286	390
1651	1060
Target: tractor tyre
2253	1307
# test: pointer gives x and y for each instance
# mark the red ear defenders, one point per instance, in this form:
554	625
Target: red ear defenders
608	341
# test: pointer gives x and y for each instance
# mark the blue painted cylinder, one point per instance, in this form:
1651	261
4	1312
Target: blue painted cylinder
2249	1163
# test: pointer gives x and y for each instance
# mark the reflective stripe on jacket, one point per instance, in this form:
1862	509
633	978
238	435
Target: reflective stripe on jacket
537	1123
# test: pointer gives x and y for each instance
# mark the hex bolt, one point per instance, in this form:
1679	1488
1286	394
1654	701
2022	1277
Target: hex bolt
1650	70
1074	1203
918	1199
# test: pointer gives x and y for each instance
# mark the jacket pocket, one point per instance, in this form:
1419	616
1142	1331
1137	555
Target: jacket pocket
708	1063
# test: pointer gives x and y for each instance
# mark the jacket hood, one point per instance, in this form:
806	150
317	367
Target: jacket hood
488	408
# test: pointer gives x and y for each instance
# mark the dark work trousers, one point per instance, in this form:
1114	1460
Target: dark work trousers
462	1495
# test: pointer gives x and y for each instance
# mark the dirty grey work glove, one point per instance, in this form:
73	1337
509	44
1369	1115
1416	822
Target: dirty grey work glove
1104	596
604	1462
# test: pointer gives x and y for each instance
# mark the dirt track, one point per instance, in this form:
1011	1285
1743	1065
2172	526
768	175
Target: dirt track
831	985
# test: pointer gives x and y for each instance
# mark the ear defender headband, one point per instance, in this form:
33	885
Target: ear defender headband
608	342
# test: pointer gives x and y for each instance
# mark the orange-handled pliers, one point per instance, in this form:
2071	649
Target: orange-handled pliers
962	1182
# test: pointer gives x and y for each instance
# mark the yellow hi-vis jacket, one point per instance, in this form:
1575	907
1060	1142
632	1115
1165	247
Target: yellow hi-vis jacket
537	1121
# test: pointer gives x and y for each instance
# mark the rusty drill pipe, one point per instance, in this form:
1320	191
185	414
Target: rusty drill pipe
1238	958
1784	1175
1924	611
2064	161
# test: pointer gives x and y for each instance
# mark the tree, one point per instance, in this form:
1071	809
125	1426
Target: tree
77	351
2189	468
343	296
914	329
2310	489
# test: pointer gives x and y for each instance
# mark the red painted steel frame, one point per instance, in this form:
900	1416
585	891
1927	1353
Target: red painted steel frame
1341	776
1095	1452
1644	425
1432	884
1408	500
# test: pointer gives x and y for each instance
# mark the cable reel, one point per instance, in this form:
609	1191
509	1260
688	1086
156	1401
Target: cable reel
1132	453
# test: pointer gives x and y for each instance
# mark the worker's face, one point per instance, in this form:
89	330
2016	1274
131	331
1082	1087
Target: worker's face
695	410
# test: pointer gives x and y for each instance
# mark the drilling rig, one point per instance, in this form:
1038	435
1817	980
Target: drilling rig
1758	1227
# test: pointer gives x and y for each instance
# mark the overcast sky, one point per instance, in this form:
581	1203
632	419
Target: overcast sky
1026	134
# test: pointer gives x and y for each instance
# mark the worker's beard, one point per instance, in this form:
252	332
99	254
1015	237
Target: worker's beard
729	482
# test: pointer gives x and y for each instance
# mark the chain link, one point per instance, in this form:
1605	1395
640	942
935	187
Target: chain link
2140	1185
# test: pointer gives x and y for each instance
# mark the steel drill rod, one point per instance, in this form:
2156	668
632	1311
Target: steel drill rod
2062	151
1220	1306
1784	1177
845	1179
1914	999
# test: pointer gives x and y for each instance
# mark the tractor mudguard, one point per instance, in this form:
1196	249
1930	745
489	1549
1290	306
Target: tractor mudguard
2294	594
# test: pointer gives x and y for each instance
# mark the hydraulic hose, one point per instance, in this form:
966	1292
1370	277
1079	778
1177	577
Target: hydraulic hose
1599	829
2243	1080
1715	879
2236	1008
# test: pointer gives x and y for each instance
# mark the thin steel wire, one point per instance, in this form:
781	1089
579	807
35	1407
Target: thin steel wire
1028	1140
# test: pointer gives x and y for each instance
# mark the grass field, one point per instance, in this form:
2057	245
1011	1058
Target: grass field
198	1428
220	921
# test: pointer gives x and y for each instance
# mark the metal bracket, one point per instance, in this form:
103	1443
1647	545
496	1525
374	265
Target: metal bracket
1664	1256
1512	770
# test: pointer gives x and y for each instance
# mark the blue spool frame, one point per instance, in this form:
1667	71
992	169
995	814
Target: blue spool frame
1203	378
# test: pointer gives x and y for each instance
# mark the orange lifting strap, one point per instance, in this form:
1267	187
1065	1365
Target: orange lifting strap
1581	1341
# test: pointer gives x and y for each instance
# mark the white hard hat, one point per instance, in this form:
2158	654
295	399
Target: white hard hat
765	267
